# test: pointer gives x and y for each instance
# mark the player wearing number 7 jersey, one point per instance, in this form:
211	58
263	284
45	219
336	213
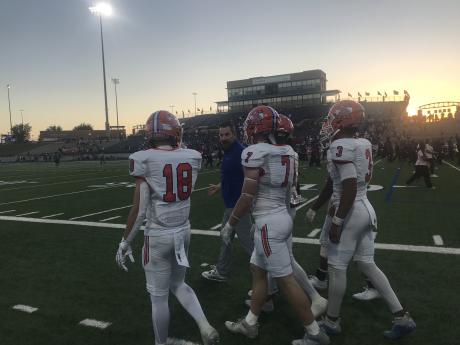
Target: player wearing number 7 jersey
347	230
270	171
165	176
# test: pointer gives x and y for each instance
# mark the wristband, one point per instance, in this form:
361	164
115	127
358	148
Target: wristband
337	221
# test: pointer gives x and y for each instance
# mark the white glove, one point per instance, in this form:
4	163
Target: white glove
311	214
124	250
226	233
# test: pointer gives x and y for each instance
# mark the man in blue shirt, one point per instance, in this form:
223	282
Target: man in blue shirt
231	181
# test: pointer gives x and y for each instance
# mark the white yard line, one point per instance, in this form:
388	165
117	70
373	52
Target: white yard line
314	232
438	240
95	323
53	215
93	214
451	165
62	182
385	246
197	190
48	196
9	211
25	308
107	219
216	226
309	201
26	214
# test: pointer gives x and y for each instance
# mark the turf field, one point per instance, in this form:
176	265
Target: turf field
60	228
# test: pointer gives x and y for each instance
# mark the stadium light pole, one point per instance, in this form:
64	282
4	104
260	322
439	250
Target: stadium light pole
172	108
22	117
103	9
115	82
194	95
9	107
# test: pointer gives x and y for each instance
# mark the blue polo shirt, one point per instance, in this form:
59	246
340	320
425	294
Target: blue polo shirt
231	174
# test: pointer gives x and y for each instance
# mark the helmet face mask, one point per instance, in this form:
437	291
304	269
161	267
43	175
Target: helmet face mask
343	114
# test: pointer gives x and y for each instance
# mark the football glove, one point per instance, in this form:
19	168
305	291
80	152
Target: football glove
226	233
124	250
311	214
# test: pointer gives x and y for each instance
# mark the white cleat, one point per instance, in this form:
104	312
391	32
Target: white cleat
320	339
318	284
242	327
367	295
318	306
210	336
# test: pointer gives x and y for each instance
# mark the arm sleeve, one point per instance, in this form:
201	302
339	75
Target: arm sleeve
252	157
143	204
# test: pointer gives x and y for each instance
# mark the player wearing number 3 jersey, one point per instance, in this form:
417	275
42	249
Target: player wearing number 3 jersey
165	176
347	231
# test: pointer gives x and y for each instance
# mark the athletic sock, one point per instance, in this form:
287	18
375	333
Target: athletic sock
251	318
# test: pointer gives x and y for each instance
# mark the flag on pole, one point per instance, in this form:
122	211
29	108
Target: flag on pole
378	93
386	94
367	94
350	95
396	93
359	95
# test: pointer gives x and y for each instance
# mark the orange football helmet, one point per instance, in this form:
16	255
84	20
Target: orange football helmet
163	125
285	125
260	120
343	114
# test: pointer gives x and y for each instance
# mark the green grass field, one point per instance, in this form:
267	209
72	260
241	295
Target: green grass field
67	269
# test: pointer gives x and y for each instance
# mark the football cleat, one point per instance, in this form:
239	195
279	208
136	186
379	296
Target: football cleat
330	327
213	274
401	326
242	327
318	284
367	295
268	306
209	336
318	306
320	339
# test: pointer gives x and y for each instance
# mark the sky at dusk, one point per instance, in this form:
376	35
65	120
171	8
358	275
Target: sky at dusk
163	51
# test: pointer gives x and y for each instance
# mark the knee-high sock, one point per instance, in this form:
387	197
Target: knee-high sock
302	279
160	318
381	283
187	298
337	287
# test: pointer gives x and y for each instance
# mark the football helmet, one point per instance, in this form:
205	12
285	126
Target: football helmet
163	125
260	120
343	114
285	125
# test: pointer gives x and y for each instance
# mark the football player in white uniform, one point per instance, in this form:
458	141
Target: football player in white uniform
270	171
352	218
318	303
165	176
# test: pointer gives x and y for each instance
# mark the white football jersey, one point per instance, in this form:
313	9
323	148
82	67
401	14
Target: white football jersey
343	152
277	170
171	176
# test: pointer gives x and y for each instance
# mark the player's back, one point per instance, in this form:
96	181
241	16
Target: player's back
351	151
277	170
171	176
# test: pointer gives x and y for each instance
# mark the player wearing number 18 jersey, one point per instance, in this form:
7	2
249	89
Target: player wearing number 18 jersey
165	176
348	228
